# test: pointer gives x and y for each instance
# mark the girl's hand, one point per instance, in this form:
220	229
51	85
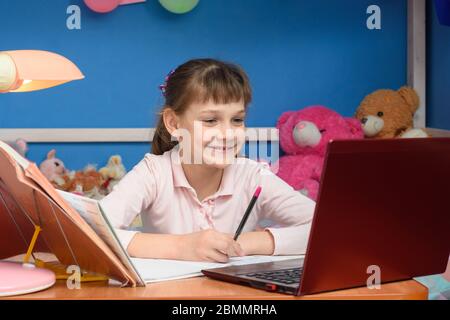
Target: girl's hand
209	245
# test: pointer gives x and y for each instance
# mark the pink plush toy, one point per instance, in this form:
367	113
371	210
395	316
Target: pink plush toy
304	136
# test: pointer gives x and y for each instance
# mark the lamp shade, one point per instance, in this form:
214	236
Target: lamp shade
30	70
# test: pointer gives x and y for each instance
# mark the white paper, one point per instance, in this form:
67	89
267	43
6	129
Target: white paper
155	270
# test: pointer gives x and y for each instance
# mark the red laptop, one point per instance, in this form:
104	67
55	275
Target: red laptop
383	205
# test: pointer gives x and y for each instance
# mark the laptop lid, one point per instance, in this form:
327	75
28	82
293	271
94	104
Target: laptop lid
383	210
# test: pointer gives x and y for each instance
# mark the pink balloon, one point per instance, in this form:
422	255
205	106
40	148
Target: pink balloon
102	6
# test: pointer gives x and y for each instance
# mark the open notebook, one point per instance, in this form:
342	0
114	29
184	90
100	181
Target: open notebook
76	230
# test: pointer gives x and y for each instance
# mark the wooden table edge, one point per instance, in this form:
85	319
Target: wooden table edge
420	294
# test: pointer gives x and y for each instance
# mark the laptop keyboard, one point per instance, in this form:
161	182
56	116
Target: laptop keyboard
286	276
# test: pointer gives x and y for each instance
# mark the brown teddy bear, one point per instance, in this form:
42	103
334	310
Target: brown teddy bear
390	114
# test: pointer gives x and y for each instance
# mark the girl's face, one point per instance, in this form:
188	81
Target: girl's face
211	134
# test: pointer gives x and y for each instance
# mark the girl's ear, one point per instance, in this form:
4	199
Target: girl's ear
170	120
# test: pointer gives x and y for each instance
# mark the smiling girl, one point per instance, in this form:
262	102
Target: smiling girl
193	190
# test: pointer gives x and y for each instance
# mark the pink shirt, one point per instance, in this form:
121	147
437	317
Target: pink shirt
157	189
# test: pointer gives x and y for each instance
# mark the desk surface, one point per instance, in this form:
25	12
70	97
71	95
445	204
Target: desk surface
204	288
201	288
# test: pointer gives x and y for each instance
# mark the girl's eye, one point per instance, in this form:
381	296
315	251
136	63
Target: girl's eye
238	120
210	121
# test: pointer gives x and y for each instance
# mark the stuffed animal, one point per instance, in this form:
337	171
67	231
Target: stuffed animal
55	171
304	136
112	173
390	114
20	145
88	183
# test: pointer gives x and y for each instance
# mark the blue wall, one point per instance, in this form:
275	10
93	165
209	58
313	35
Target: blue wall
438	75
296	53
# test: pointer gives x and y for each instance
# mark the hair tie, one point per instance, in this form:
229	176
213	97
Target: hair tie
163	87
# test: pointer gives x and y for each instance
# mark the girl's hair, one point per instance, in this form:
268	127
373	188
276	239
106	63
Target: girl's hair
199	80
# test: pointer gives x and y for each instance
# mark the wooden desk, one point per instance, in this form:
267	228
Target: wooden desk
202	288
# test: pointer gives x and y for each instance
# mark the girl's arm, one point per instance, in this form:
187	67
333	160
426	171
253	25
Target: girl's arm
257	243
156	246
206	245
290	210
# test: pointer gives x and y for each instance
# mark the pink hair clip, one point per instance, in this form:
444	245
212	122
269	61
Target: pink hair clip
163	87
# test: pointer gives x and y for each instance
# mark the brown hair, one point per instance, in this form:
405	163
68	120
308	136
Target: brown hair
200	80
